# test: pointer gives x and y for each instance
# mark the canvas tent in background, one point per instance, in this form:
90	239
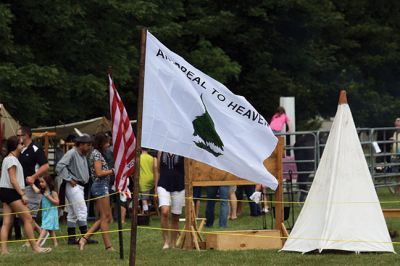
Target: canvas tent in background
342	210
8	124
91	127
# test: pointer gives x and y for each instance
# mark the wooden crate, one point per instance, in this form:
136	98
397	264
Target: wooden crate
391	212
245	239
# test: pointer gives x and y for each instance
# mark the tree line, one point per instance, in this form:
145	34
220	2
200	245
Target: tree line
54	54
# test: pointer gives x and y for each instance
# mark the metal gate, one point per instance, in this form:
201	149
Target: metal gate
377	144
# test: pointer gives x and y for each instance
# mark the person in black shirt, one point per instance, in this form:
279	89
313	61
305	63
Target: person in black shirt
34	164
170	184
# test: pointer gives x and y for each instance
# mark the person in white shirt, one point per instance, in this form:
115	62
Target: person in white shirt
14	198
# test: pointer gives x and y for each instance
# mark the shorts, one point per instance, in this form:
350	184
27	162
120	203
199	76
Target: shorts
175	199
34	200
100	188
145	195
9	195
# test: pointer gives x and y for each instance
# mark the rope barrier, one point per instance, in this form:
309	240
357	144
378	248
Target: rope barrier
210	199
59	206
216	233
289	202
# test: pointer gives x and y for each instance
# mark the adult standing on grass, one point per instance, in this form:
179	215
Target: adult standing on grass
248	190
223	192
73	169
14	198
171	193
101	175
34	163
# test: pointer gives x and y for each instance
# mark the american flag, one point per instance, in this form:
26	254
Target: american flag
124	140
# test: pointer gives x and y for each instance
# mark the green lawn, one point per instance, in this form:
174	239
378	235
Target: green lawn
150	242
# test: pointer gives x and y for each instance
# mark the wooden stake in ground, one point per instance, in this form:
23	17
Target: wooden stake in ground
138	150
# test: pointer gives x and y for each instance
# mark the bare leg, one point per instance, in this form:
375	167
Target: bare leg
18	206
123	215
53	237
233	205
42	235
36	227
174	227
5	229
105	220
103	206
145	208
165	225
83	240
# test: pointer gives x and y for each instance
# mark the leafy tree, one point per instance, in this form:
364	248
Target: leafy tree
54	54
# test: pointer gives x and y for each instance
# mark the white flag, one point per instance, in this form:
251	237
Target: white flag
188	113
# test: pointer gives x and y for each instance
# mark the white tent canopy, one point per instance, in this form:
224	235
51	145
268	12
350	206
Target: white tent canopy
91	126
342	210
9	124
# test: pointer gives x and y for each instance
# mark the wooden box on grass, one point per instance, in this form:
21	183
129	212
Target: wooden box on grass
245	239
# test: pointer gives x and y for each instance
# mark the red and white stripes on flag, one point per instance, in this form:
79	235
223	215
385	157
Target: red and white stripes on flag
124	140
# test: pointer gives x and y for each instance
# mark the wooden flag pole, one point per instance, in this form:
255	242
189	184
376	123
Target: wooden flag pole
138	150
120	238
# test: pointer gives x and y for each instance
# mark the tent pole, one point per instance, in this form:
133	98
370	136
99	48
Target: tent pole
279	190
292	197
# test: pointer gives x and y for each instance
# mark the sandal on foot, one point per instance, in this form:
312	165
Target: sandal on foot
44	250
110	248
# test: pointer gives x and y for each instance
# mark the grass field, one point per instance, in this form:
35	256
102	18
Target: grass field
150	242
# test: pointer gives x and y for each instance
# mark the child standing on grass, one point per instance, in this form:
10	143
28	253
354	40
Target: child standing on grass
50	201
148	171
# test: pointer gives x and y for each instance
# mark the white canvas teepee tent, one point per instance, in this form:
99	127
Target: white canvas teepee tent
342	210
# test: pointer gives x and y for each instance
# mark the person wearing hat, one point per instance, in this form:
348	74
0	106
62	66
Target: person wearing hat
73	169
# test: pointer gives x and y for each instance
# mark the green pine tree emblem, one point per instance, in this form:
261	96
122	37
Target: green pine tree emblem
204	128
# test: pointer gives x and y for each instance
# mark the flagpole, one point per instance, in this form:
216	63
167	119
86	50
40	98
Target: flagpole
118	203
132	257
